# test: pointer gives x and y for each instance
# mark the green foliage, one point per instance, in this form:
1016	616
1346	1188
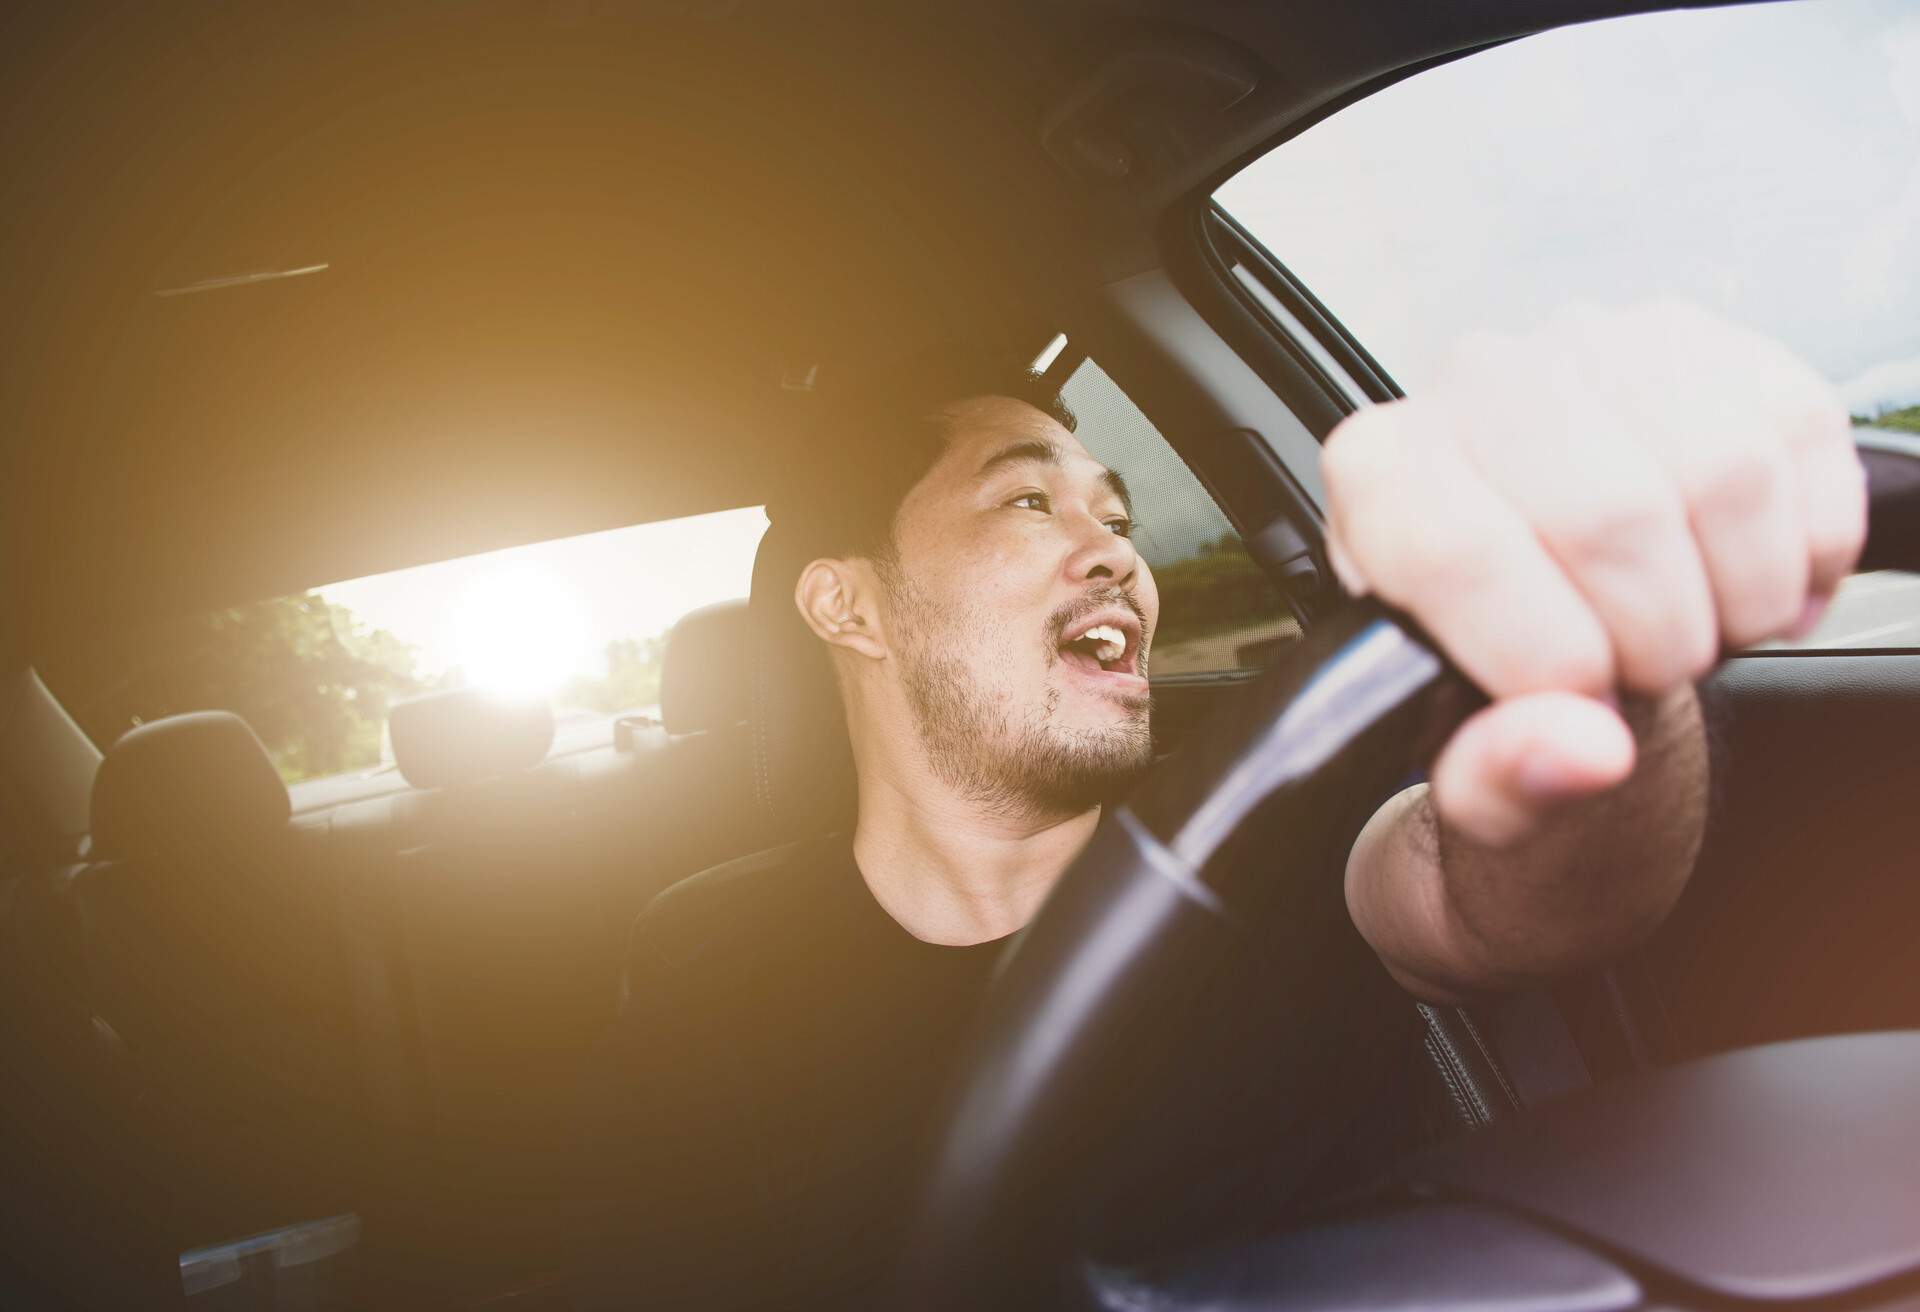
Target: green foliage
1906	420
314	682
1217	590
632	680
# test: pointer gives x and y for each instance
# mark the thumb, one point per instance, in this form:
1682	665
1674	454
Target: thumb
1510	767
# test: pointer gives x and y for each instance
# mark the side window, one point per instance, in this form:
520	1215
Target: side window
1218	610
1763	161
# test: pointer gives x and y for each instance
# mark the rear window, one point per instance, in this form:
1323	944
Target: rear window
581	621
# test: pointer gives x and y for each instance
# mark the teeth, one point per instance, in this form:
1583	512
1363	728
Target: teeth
1113	643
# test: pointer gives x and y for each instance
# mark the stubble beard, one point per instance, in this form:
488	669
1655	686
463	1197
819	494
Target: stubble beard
1012	763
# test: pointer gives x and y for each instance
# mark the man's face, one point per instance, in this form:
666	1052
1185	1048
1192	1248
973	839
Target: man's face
1020	615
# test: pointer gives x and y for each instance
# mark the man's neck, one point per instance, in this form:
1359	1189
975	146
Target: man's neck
952	872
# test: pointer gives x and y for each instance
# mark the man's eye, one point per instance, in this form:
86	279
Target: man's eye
1030	501
1121	527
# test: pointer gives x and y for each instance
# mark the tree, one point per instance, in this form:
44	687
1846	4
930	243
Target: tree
311	679
1219	589
632	680
1906	421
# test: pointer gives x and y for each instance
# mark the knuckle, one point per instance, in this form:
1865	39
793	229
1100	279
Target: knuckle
1837	544
1736	484
1565	663
1841	531
1601	530
1446	562
1675	652
1698	648
1683	653
1821	424
1766	609
1787	598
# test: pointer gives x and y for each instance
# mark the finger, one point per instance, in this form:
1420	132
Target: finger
1514	764
1747	519
1611	517
1421	527
1734	416
1833	486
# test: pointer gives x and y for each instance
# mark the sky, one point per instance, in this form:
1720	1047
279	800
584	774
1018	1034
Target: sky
1763	161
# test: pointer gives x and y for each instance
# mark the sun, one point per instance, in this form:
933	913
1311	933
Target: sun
519	632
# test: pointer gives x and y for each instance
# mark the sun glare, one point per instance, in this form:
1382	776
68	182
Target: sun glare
520	632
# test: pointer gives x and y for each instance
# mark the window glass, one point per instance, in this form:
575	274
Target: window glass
1763	161
580	621
1218	611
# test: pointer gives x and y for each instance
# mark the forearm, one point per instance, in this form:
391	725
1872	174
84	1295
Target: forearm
1452	919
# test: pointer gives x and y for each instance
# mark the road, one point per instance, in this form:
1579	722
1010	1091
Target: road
1871	610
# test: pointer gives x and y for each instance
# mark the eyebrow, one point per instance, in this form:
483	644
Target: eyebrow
1049	453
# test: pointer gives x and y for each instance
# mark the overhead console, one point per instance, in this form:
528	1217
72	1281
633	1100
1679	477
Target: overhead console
1787	1175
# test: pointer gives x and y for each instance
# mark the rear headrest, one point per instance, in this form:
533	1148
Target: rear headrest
186	781
449	738
803	780
706	673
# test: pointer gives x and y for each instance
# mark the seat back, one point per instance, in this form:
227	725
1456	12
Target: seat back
513	880
200	941
803	778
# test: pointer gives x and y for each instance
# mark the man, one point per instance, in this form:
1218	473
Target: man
1582	518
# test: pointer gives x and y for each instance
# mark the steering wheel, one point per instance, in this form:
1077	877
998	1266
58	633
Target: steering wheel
1194	981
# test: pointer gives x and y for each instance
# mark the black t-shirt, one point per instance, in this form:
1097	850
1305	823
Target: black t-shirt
784	1044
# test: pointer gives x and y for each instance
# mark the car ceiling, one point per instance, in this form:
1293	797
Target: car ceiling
573	248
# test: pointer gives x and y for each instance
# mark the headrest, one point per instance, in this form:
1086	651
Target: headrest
706	674
449	738
186	781
803	780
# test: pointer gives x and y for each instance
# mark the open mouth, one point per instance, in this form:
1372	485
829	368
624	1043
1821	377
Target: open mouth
1103	644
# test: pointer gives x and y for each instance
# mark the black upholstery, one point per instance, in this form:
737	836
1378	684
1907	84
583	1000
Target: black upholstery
185	781
1799	919
449	738
706	673
803	780
1489	1062
201	945
795	779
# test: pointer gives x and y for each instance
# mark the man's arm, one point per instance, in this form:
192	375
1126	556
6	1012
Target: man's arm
1453	917
1583	519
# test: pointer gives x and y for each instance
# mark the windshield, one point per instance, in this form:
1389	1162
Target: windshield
1763	162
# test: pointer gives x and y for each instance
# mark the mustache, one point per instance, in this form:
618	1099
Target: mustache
1098	599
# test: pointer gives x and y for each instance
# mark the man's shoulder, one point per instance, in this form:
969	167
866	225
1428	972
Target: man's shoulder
729	908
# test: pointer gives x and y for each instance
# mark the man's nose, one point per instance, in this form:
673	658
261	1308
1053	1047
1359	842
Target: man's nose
1099	553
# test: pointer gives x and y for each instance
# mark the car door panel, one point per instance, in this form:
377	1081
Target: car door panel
1800	918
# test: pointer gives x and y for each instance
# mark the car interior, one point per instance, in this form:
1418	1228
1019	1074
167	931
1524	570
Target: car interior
305	294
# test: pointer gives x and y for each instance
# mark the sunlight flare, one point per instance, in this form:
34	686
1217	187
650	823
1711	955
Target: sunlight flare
521	632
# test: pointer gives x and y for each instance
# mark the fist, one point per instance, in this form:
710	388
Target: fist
1594	509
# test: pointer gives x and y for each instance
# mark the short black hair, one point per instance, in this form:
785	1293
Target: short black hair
877	434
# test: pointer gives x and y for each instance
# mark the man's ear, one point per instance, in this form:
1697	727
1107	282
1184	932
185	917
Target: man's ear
837	600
